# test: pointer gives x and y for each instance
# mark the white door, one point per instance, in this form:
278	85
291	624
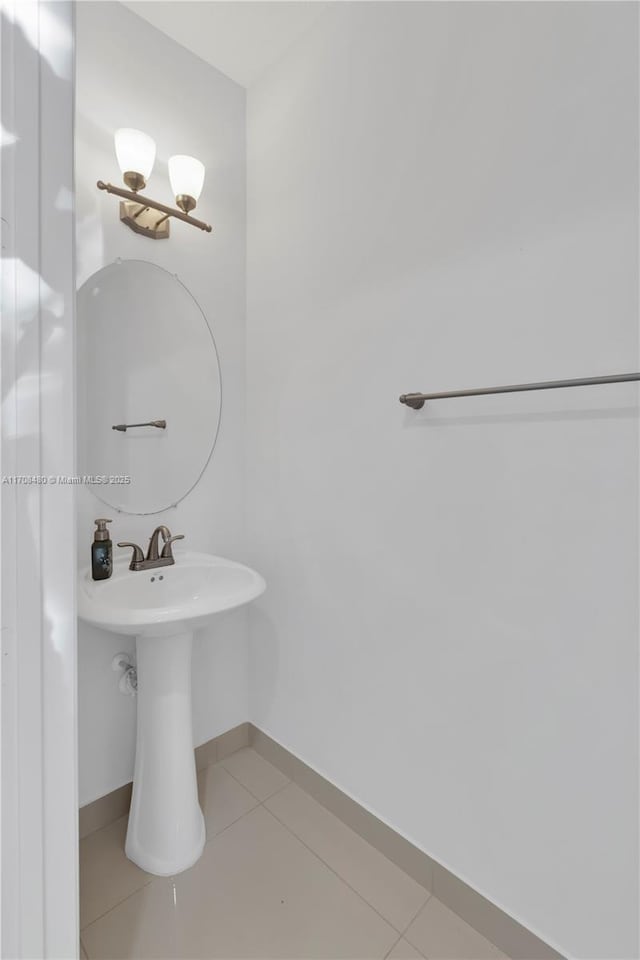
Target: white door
38	837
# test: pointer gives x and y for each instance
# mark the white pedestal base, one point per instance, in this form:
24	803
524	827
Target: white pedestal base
166	833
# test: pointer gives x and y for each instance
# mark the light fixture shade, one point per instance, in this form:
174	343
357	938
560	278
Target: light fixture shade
136	151
187	176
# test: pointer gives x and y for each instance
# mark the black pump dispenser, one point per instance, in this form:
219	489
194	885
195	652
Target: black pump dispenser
101	552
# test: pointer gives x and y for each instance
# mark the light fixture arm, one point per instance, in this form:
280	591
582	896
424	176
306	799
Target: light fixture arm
154	205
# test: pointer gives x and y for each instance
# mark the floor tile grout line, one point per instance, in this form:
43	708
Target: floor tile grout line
289	782
258	802
216	835
252	795
455	913
153	877
415	917
243	785
221	762
118	904
402	937
299	839
276	792
329	867
364	840
340	820
392	948
261	803
346	882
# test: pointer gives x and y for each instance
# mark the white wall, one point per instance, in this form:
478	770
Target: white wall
441	196
129	74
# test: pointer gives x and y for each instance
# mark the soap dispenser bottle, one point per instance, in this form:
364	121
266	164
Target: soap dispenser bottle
101	552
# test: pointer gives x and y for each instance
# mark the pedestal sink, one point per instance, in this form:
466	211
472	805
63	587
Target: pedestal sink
161	608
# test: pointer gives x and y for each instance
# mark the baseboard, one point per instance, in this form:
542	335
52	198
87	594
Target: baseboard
103	811
507	934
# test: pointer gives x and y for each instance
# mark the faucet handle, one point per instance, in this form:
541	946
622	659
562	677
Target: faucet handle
167	552
137	556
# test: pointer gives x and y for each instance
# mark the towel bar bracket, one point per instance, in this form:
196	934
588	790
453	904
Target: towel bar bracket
414	400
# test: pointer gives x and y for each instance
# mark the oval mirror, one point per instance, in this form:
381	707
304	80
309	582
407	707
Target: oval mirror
145	353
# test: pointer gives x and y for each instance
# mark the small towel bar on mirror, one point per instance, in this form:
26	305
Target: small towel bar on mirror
123	427
417	400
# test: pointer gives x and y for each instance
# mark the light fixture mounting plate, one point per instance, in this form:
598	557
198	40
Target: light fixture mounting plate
144	220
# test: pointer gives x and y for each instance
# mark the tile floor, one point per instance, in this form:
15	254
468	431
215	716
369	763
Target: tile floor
280	877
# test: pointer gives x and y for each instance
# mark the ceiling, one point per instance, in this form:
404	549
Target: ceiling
239	38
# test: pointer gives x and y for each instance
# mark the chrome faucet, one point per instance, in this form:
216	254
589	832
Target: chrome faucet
153	559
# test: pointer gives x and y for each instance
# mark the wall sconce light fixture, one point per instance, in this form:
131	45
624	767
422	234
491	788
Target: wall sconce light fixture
136	153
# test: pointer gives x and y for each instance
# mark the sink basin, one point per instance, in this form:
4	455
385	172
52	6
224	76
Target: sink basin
161	608
166	600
